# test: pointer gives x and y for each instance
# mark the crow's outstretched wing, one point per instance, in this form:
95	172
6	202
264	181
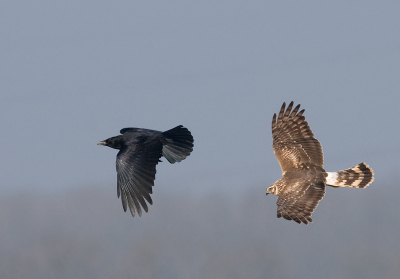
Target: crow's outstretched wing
136	170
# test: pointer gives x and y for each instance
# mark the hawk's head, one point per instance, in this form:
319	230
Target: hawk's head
271	189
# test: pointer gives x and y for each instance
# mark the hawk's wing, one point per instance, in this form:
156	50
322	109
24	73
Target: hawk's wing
136	170
299	200
293	140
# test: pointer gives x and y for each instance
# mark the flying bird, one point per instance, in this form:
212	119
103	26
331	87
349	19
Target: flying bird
300	156
140	151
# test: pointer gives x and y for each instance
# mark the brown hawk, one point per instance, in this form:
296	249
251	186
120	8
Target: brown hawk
300	156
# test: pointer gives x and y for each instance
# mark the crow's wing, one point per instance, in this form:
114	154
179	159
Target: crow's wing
136	170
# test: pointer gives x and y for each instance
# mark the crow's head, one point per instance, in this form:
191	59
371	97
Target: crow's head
114	142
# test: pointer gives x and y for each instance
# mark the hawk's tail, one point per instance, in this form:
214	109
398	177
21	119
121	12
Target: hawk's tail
178	145
359	176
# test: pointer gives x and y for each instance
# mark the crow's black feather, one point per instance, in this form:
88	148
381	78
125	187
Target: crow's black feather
140	151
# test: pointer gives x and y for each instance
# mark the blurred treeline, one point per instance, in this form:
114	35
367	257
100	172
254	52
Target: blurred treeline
85	234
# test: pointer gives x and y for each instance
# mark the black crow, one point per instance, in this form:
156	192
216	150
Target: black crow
140	151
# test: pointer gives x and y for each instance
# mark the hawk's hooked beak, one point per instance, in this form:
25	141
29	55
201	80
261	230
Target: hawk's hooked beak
102	143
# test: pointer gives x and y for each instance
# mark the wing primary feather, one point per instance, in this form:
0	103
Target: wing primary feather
274	121
281	111
296	109
140	198
132	206
123	199
301	112
289	108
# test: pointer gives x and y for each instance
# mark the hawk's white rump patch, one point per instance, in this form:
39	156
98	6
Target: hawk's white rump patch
332	178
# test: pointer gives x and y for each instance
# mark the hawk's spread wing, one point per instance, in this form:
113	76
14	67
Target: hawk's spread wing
300	199
293	140
136	170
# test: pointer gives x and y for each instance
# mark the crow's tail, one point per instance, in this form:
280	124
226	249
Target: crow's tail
178	144
359	176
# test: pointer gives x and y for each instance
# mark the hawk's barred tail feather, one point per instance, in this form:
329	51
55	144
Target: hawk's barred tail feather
359	176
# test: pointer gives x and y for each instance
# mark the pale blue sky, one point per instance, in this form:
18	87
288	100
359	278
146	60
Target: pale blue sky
74	73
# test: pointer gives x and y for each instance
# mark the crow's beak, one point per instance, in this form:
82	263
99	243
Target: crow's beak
102	143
